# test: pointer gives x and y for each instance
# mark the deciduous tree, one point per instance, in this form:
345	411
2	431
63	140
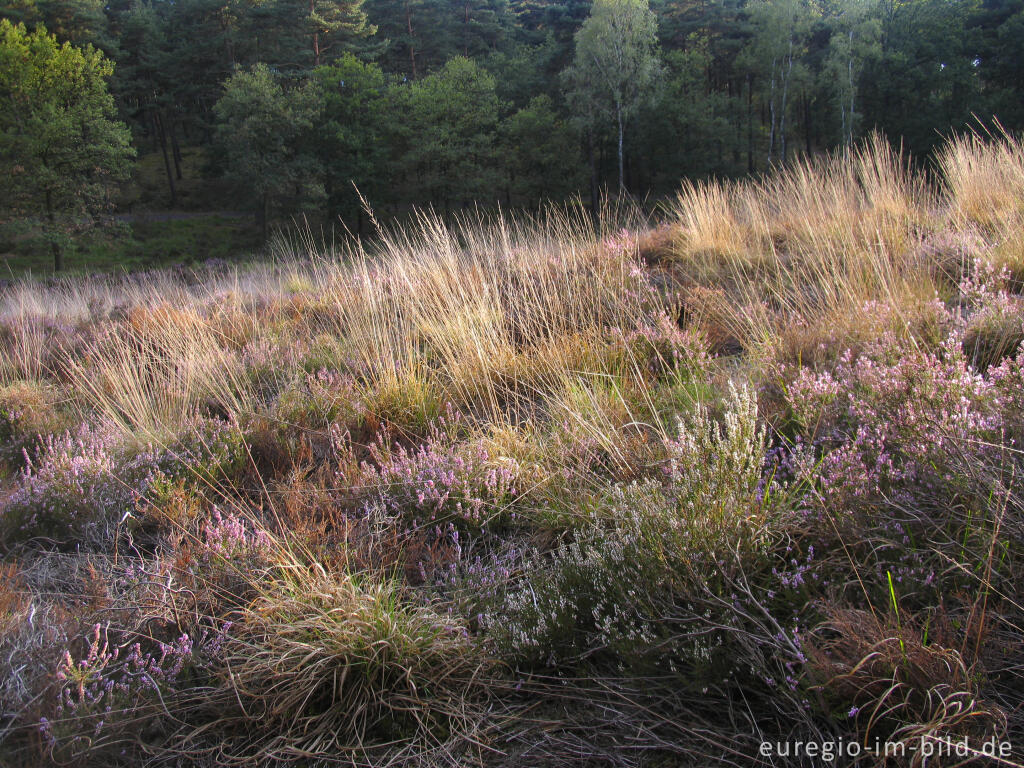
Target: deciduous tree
262	137
616	63
62	150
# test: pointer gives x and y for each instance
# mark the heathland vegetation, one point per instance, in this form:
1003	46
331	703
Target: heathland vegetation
514	491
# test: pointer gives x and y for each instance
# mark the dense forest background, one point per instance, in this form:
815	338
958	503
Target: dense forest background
277	107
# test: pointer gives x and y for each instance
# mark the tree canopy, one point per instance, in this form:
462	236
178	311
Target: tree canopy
62	149
263	140
296	103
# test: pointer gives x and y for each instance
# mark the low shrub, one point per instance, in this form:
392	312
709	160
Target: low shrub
85	484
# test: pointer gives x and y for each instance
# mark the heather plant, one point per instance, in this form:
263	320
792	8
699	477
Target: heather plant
991	317
591	594
121	685
658	346
885	419
607	588
318	403
440	481
87	483
1007	383
226	536
72	491
879	470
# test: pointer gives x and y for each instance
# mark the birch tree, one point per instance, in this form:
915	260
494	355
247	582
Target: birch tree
779	30
856	31
616	65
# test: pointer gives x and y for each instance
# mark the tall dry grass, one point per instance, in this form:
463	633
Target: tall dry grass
807	247
483	315
499	317
983	182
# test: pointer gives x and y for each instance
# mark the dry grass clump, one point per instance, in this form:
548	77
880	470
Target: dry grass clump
339	665
901	683
984	184
151	376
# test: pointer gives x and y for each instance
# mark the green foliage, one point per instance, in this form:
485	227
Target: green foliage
419	34
349	131
687	121
616	64
335	28
143	244
261	135
854	42
539	150
446	140
61	148
748	85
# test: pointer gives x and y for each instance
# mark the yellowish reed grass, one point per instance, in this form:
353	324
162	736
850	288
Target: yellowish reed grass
984	184
984	179
149	380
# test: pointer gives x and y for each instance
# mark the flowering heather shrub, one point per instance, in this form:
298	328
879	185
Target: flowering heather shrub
267	358
991	317
75	486
714	471
226	536
123	680
1007	382
84	483
902	460
440	481
595	593
884	421
658	346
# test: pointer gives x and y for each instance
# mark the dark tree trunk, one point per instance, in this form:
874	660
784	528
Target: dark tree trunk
156	130
750	126
412	46
316	38
176	150
595	197
264	217
807	125
622	179
167	159
58	253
